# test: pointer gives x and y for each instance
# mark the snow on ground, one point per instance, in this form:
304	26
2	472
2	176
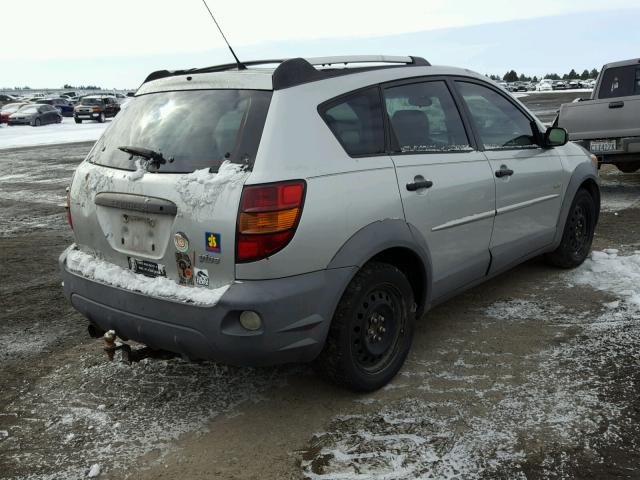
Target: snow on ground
566	398
535	92
92	412
613	273
66	132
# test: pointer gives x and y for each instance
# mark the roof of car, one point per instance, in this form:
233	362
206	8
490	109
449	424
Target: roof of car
257	76
622	63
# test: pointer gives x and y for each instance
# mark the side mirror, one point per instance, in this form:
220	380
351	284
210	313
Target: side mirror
555	137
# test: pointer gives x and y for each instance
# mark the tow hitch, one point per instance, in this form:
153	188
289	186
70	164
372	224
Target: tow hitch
111	346
129	355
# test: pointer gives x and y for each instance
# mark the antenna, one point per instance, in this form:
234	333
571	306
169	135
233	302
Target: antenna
241	66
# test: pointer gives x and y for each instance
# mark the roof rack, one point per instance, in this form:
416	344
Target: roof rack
296	71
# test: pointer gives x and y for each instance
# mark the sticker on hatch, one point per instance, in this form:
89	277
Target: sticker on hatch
213	242
202	277
147	268
185	270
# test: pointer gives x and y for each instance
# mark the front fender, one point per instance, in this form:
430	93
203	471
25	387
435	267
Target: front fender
583	172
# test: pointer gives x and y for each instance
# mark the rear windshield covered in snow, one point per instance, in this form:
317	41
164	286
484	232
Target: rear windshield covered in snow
192	129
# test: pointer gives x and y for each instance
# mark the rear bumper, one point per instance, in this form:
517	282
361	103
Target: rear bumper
87	115
296	313
627	150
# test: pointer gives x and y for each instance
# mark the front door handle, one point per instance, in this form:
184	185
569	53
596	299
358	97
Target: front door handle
504	172
619	104
412	187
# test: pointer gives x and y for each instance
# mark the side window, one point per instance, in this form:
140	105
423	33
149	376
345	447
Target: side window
620	82
424	118
356	121
500	124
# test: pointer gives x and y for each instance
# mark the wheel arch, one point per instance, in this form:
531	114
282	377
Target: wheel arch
398	243
584	176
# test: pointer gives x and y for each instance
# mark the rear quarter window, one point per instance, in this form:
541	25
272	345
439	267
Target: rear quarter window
356	121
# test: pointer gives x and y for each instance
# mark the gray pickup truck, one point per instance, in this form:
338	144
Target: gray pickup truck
608	124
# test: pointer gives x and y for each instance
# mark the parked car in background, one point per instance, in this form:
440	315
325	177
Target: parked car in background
64	106
608	124
70	94
574	84
559	85
8	109
35	115
96	107
314	215
6	99
119	97
544	86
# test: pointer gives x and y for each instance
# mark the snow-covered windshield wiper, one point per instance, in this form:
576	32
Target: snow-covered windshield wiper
155	158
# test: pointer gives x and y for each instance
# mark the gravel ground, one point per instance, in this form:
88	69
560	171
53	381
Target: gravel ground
531	375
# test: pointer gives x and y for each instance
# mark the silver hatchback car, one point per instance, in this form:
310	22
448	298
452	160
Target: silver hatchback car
315	211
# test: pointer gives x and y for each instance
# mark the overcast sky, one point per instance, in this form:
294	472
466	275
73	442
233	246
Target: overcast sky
67	41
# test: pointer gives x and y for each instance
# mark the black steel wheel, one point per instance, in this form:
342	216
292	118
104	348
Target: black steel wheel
370	335
578	233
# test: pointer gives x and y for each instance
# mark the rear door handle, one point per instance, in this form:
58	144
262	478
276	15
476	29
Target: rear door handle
412	187
504	172
619	104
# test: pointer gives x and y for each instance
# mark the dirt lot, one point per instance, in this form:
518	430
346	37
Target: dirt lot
534	374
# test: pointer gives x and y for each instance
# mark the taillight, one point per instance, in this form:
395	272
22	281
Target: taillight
269	216
68	209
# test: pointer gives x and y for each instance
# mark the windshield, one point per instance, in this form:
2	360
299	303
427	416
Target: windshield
195	128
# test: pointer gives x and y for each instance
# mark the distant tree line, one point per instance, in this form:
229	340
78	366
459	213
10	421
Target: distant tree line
512	76
81	87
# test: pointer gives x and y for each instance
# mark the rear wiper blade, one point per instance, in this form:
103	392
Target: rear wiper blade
155	158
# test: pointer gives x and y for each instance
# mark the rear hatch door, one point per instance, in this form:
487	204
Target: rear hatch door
174	217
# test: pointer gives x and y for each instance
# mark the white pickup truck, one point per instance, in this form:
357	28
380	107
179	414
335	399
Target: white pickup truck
608	124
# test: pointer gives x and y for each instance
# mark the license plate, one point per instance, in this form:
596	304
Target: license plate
147	268
603	145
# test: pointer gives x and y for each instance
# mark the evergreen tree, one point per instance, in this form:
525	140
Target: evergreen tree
511	76
593	73
584	75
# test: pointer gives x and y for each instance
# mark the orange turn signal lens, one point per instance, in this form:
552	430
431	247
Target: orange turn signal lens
268	222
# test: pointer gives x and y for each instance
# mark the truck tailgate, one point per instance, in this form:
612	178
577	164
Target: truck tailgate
605	118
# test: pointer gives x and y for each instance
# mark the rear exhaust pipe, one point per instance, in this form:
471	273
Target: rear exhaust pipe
95	331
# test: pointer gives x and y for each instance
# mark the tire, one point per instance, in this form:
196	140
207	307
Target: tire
371	332
101	118
628	167
77	120
578	233
37	122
